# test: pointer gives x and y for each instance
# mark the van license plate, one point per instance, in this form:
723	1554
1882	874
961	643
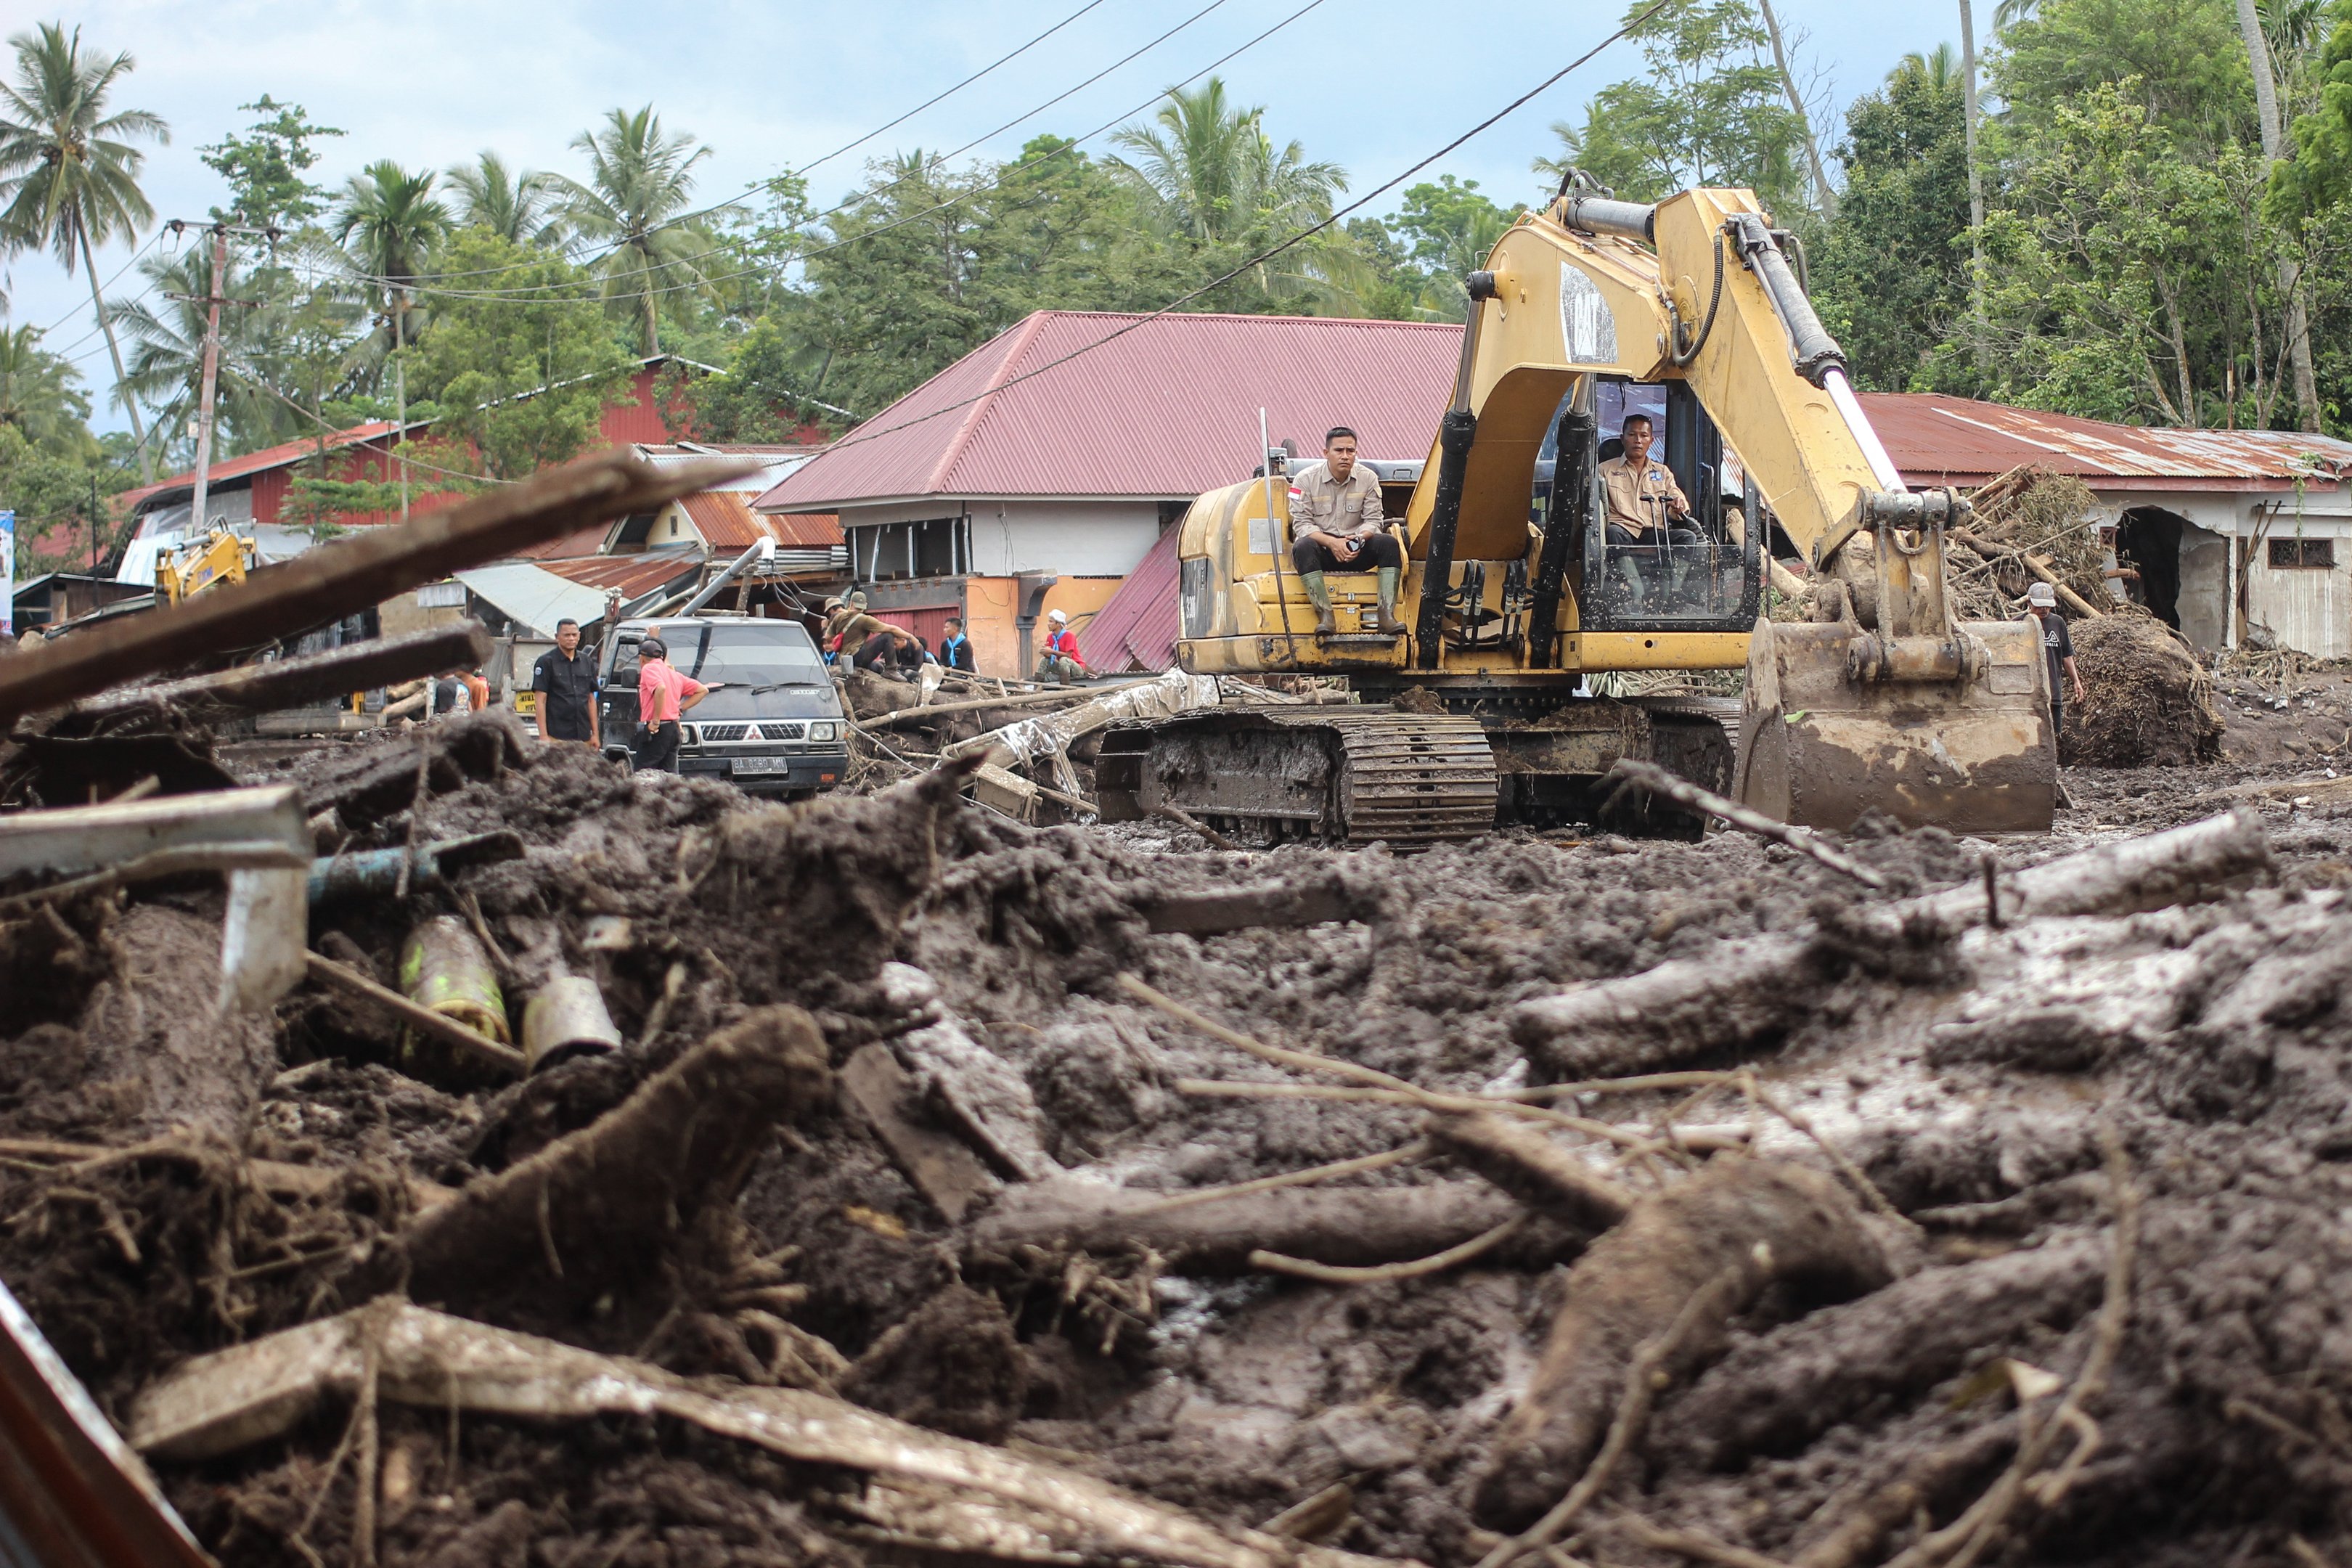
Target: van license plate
764	764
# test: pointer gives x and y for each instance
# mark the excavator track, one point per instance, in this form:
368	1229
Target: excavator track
1345	775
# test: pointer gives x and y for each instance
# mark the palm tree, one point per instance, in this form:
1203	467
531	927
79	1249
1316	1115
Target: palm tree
1208	171
2008	13
37	395
639	180
518	207
388	223
1940	70
68	173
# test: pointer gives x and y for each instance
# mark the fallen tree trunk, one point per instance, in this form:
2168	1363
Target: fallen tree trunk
599	1205
1746	992
308	678
1302	901
1352	1226
259	1392
1757	1221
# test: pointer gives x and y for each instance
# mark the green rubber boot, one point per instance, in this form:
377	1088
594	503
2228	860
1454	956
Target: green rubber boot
1319	593
1387	624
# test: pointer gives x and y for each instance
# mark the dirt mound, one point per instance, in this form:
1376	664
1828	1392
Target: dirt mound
2150	702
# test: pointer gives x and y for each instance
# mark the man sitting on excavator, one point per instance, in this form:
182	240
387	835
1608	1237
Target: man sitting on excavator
1337	525
1643	499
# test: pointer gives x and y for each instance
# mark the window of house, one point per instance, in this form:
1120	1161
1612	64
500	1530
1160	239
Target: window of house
2289	555
934	547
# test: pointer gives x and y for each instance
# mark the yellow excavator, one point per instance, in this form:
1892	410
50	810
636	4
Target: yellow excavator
220	558
1693	312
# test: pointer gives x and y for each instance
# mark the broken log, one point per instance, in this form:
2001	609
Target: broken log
600	1205
1776	1393
1303	901
352	575
1762	1222
1070	696
309	678
1748	992
1017	1506
1346	1227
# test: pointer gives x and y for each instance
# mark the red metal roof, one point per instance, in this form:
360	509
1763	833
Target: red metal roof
727	522
1136	629
1935	439
587	541
1166	408
804	530
269	458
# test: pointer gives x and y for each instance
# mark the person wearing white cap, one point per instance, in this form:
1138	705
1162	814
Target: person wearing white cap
1060	661
2058	648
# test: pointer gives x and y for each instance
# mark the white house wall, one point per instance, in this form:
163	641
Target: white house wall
2306	608
1071	539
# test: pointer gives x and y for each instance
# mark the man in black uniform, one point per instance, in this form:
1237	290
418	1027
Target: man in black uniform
565	679
2058	648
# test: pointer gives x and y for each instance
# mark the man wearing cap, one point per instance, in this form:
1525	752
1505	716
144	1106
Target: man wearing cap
663	694
1060	661
2058	648
1337	524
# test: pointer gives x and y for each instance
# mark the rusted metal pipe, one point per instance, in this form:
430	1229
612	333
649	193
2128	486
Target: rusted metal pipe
445	969
566	1017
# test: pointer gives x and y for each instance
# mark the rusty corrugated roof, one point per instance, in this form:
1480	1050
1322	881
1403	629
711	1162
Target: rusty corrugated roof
1167	409
727	522
1935	439
277	457
1136	629
633	575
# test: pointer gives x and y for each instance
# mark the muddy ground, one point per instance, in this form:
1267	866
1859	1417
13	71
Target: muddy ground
1985	1108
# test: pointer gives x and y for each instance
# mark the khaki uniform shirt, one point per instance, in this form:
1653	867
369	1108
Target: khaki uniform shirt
1634	492
1344	511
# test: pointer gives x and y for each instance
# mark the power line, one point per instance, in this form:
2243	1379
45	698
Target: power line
950	92
862	435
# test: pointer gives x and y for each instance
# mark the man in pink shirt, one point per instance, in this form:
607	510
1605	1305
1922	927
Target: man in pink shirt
663	694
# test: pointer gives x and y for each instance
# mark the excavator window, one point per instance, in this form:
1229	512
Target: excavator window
1702	572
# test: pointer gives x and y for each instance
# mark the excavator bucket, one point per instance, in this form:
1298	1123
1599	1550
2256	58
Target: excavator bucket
1819	746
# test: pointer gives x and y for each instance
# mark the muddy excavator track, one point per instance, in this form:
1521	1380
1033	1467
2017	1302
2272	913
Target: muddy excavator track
1344	775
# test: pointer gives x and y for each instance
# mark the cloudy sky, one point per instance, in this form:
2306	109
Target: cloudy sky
1375	85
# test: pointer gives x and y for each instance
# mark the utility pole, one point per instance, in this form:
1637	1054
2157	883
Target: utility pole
212	300
93	526
1976	190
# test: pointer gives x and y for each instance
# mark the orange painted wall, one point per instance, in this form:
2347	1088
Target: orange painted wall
991	602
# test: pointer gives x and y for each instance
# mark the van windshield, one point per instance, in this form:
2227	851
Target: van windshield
774	655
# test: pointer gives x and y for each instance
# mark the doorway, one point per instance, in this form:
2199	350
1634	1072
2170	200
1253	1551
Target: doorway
2149	540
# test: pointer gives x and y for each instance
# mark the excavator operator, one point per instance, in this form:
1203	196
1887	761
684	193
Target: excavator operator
1337	525
1644	502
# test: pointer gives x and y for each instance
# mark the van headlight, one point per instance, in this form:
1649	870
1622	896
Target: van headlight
824	730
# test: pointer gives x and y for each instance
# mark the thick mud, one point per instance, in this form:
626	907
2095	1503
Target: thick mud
2006	1095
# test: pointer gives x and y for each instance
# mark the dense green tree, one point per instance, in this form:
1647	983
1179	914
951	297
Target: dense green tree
519	207
2183	56
68	173
1708	112
761	393
1890	274
524	374
265	167
634	200
1208	173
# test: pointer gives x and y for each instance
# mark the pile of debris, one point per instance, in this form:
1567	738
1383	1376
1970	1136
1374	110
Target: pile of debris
447	1149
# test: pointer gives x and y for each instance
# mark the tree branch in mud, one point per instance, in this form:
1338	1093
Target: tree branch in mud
1683	793
1355	1228
259	1392
1531	1167
1645	1375
1744	993
1756	1220
603	1203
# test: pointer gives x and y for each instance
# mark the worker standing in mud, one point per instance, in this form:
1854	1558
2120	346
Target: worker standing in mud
565	681
664	694
2058	648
